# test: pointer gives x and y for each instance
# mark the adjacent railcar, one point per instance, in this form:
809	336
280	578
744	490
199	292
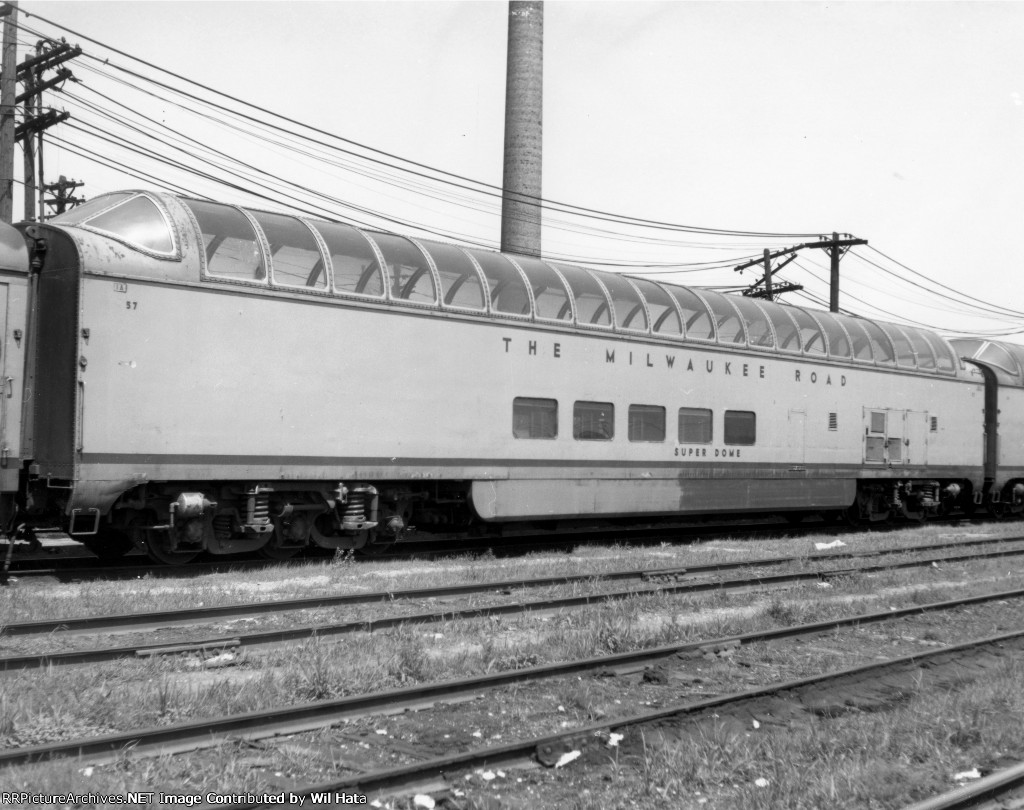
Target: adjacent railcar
216	378
1001	365
15	293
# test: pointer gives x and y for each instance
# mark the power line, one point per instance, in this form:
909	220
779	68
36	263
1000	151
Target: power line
542	202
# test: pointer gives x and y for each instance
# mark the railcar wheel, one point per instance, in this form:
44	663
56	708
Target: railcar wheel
157	553
109	543
375	545
882	519
374	549
851	516
999	510
274	551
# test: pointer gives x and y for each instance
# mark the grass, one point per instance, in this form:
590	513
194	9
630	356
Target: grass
28	601
65	703
131	694
884	759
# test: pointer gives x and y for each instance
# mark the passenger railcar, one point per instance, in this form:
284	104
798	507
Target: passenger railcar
209	377
15	294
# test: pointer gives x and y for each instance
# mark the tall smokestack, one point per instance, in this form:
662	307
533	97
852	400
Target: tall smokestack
524	97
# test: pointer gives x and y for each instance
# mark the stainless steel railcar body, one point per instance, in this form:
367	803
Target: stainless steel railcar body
218	378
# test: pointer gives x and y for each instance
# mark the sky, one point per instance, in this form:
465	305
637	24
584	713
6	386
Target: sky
898	122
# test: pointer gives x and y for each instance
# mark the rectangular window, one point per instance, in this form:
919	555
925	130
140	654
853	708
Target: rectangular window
694	426
534	418
874	449
895	448
646	423
593	421
833	421
740	427
878	422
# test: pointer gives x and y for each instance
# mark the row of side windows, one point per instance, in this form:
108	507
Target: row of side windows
535	418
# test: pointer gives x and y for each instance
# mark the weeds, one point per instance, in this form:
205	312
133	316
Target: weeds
854	761
316	673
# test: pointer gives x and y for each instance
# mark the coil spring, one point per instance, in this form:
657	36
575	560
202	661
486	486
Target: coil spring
222	526
259	508
355	509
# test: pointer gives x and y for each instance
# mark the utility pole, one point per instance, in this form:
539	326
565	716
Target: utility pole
835	247
28	148
49	54
62	198
8	88
770	288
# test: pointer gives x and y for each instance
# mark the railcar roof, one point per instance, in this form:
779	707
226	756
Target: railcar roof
1006	359
256	247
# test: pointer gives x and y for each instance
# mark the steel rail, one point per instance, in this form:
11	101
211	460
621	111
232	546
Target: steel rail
308	631
183	737
66	568
66	565
972	795
157	619
428	774
303	632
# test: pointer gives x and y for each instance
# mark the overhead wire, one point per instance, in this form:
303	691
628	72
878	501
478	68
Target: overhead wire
985	304
490	188
180	136
551	223
897	317
383	171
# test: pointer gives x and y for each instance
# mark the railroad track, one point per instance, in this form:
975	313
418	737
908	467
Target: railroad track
666	582
82	567
1001	790
156	619
185	737
75	563
894	678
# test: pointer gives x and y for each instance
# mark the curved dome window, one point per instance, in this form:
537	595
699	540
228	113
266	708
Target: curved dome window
592	307
698	323
295	258
729	323
232	249
85	210
509	295
137	221
356	270
664	317
811	336
410	276
550	299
